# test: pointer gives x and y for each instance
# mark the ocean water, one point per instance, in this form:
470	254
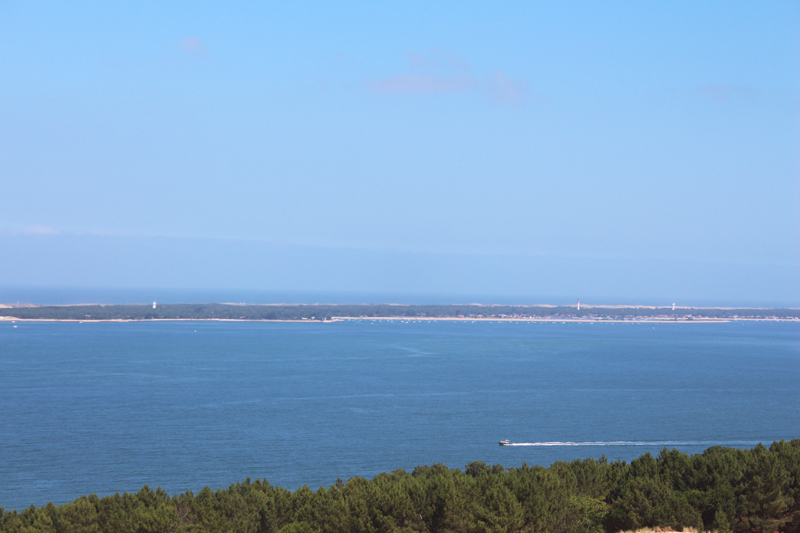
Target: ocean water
106	407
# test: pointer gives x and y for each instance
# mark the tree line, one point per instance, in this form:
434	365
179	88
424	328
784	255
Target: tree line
723	489
326	312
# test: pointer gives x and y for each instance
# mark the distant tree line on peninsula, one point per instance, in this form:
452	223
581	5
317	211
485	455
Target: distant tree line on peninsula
723	489
326	312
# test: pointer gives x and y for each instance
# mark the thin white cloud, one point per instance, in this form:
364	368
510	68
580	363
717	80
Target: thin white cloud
441	73
194	47
422	83
37	230
508	91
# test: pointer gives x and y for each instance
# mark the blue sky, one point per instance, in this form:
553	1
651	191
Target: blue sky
655	142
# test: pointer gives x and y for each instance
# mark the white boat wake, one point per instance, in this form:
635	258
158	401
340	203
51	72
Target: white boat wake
638	443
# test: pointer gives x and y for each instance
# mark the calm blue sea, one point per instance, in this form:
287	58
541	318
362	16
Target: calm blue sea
106	407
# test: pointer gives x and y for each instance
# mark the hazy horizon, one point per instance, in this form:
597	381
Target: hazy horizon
631	152
76	295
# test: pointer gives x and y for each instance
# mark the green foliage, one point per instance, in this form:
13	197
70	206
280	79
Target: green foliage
586	515
725	490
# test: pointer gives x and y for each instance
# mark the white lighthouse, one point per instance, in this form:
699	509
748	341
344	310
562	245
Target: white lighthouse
579	304
154	304
673	306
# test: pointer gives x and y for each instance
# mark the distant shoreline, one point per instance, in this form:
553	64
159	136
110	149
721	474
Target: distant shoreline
389	312
579	320
401	305
410	319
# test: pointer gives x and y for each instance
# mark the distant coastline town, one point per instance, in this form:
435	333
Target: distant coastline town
340	312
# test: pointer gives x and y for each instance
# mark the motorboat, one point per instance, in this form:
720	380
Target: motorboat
505	442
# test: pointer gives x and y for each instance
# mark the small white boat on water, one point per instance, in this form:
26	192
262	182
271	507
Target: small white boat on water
505	442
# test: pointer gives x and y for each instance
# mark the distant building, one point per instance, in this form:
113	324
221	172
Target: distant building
154	305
